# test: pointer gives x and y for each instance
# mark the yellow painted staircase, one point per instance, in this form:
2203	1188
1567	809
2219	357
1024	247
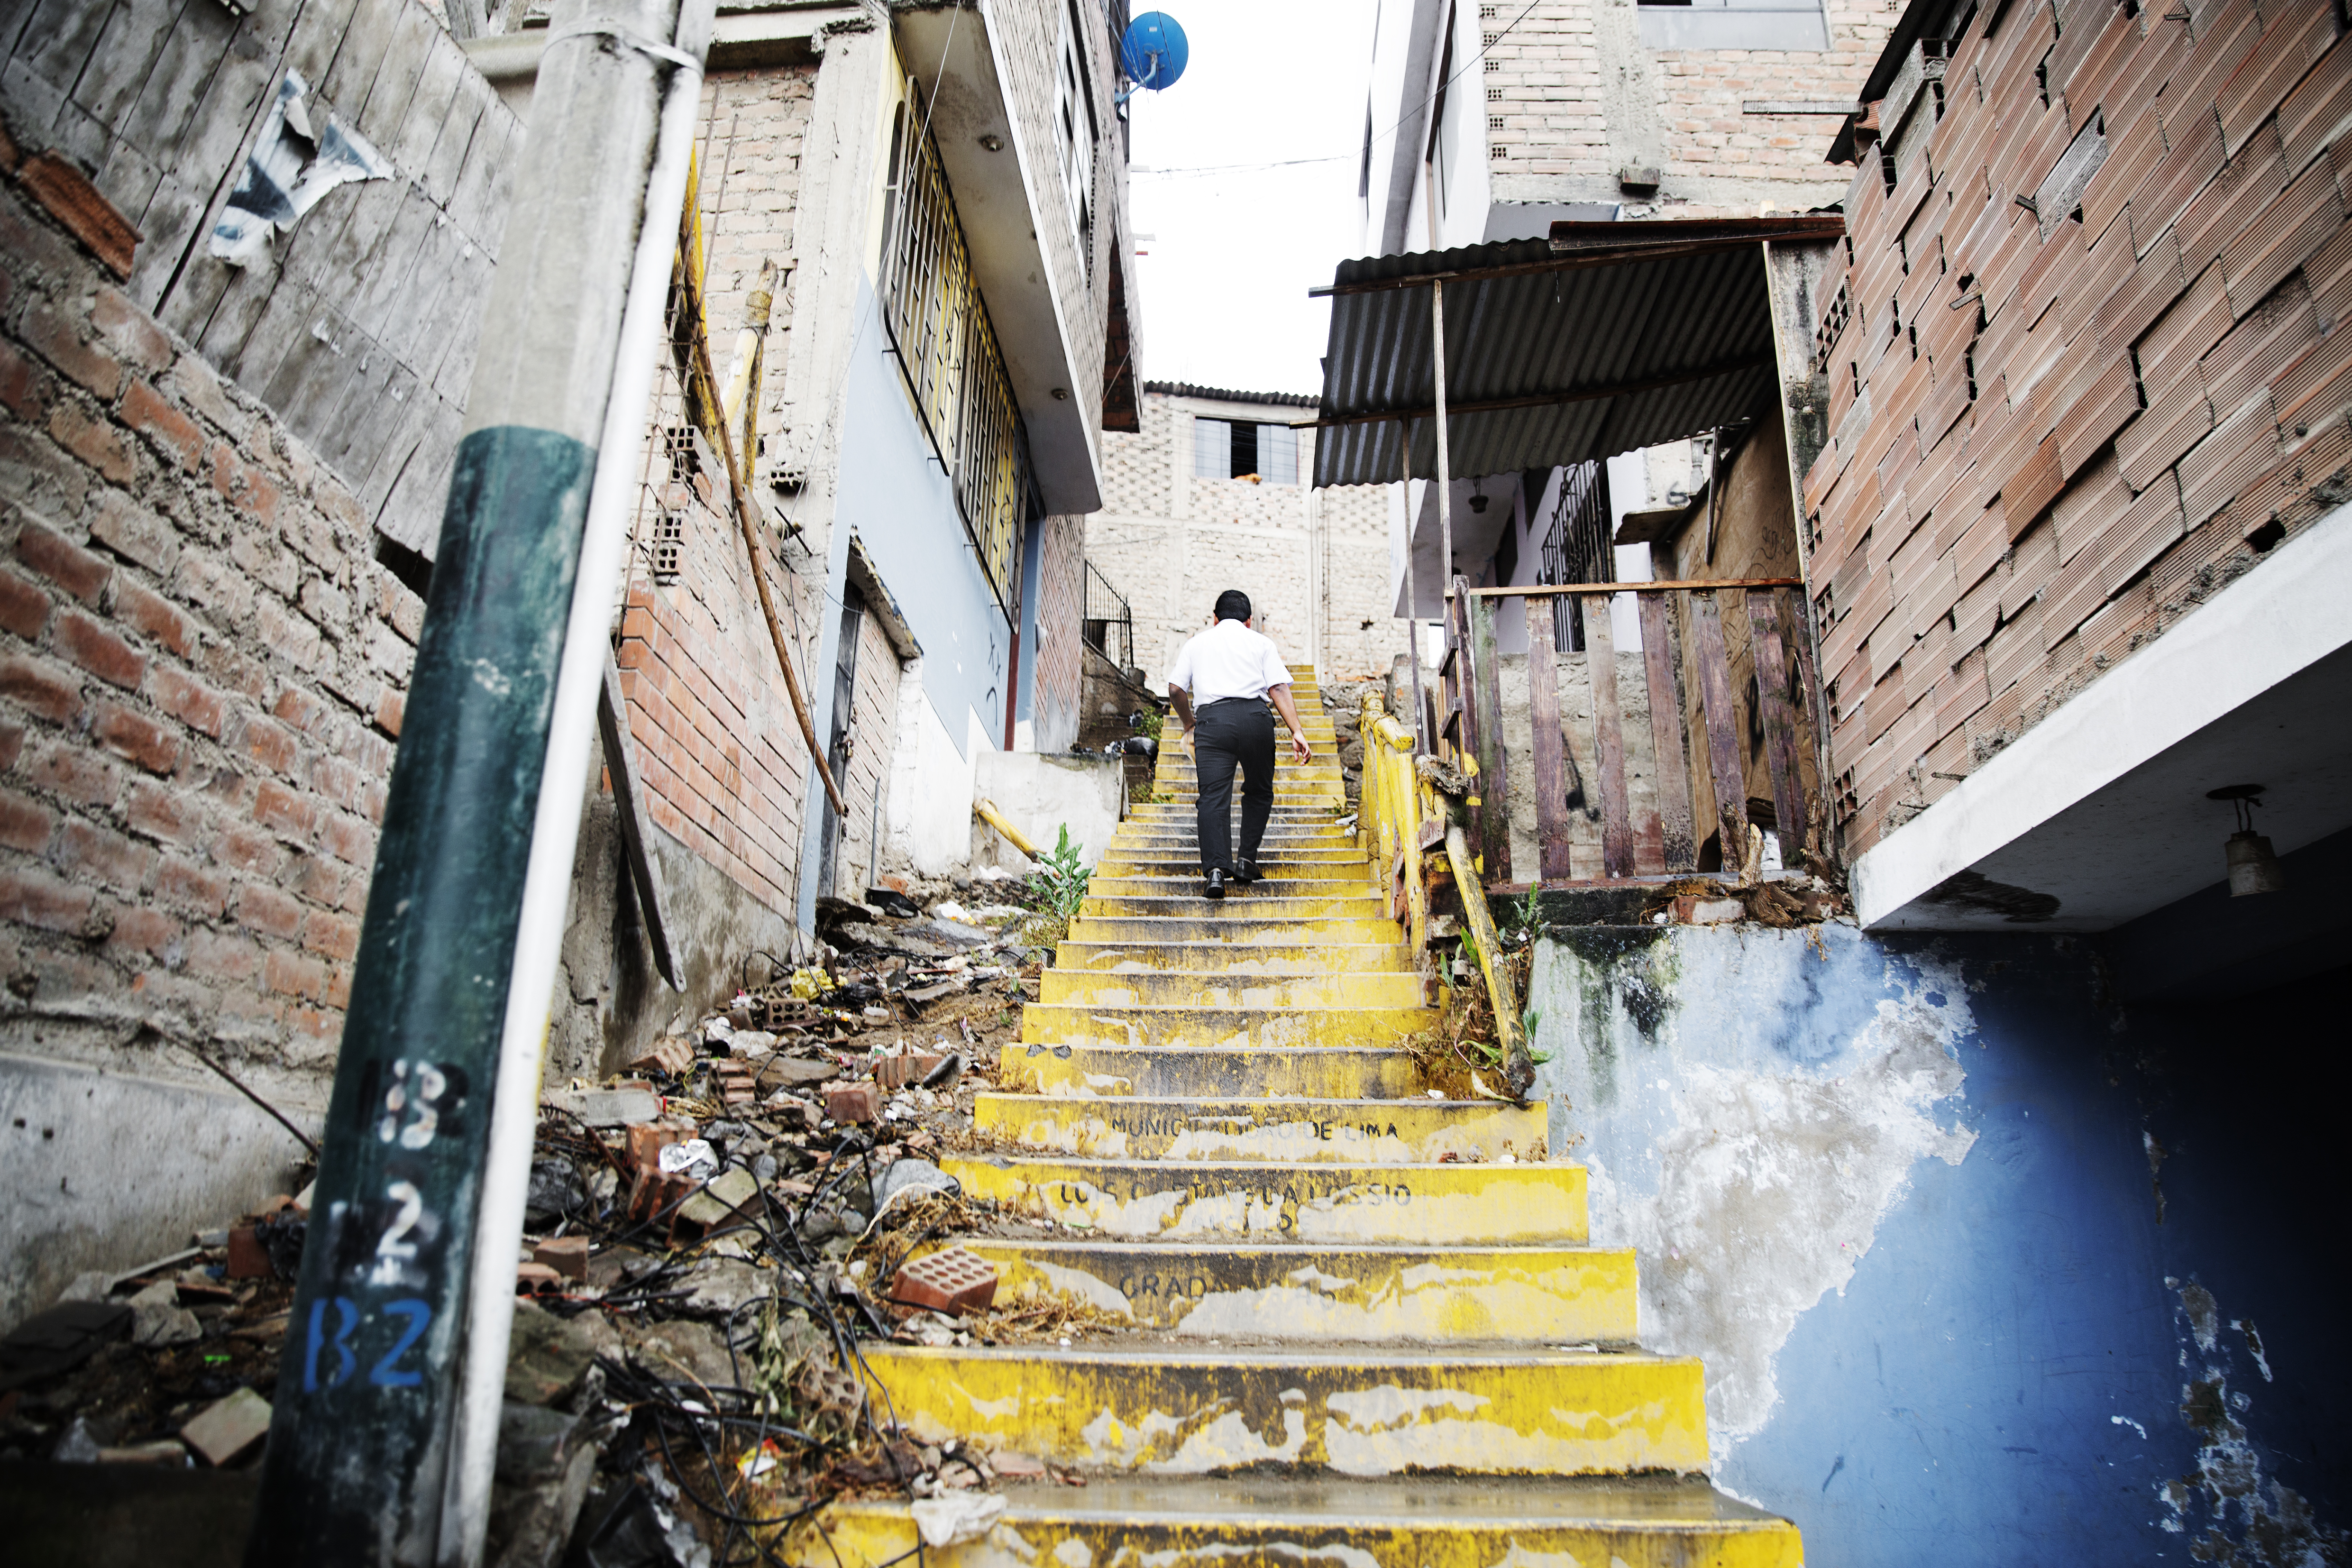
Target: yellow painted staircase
1370	1331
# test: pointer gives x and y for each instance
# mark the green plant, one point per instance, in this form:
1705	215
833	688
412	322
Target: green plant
1150	722
1063	877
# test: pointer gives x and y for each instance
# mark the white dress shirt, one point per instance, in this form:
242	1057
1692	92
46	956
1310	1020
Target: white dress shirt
1228	661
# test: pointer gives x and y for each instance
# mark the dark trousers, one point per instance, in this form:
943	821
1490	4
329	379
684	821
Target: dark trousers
1236	731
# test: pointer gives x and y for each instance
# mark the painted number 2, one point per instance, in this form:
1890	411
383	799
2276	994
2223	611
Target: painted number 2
393	1250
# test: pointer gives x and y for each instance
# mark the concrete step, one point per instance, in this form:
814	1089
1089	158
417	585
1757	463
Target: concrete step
1169	836
1321	1072
1096	1023
1350	1131
1230	958
1245	931
1366	905
1420	1521
1388	988
1188	885
1170	862
1182	812
1438	1204
1169	1409
1321	1294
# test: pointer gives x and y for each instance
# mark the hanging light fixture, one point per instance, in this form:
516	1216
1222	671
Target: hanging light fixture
2253	866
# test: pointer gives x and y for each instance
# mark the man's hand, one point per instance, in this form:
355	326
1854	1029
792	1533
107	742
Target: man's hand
1300	750
1186	742
1280	697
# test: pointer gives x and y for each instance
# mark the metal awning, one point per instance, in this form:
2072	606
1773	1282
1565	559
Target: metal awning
1606	338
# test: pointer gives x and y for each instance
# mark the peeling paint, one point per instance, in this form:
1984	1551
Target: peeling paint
1752	1174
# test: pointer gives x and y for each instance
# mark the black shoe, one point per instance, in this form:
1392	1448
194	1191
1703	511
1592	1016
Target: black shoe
1249	873
1215	887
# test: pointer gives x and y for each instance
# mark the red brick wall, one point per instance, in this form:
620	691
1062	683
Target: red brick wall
2026	493
201	671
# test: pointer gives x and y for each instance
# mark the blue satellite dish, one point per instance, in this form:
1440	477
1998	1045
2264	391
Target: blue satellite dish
1153	52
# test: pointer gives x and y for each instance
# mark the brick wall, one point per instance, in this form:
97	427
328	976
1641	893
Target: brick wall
2017	495
202	672
1314	562
1564	109
754	125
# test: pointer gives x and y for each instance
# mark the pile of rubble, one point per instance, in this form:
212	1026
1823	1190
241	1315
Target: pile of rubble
708	1237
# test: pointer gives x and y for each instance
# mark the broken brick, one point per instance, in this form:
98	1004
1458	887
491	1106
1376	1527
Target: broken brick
223	1431
895	1072
537	1280
669	1056
567	1254
955	1279
247	1258
852	1102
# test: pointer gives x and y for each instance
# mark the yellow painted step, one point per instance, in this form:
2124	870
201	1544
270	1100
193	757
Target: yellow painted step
1320	1294
1389	989
1330	1522
1350	1131
1366	905
1230	958
1186	862
1086	1024
1196	1072
1178	1410
1448	1205
1240	929
1339	885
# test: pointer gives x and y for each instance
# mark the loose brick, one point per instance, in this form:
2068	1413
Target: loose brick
135	737
955	1279
64	562
98	650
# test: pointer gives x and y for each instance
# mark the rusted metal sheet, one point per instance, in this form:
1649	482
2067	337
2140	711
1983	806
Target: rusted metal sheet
1672	775
1722	732
1608	740
1779	720
1543	717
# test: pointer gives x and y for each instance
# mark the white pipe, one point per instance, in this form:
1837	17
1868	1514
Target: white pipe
563	783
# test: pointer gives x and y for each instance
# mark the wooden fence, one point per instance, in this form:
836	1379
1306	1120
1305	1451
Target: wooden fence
1464	724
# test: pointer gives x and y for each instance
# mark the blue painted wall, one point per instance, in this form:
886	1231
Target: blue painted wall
1032	552
893	494
1898	1193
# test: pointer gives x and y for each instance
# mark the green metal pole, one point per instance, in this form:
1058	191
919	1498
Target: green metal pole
371	1384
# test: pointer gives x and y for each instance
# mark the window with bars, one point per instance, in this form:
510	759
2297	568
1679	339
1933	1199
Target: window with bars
1242	449
1576	547
947	349
1074	120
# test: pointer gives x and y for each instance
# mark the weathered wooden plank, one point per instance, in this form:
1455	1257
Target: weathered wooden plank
644	868
1552	861
1667	738
127	50
1779	720
1722	727
1608	740
59	41
1493	819
1796	632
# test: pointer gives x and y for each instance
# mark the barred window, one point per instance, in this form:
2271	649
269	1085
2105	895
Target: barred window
1241	449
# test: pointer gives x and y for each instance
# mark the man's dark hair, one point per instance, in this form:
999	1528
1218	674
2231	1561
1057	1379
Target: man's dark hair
1232	605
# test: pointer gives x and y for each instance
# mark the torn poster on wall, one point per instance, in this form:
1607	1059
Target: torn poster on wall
289	171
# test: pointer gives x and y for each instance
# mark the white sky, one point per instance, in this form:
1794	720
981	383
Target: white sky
1225	283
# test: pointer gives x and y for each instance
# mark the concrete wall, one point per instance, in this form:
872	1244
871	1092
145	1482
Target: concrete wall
1042	793
1985	1269
2019	494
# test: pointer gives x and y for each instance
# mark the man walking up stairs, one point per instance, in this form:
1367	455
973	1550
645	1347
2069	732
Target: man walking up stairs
1370	1331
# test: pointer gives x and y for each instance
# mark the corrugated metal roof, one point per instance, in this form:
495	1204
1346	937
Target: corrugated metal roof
1672	316
1228	394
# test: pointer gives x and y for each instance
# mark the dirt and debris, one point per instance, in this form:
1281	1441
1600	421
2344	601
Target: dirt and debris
711	1236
